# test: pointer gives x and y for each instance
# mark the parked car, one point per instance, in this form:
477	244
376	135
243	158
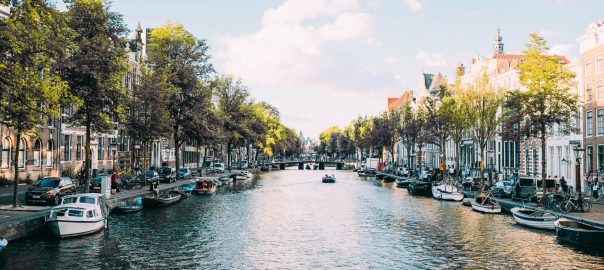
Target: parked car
471	183
242	165
550	186
151	176
167	174
524	188
95	185
503	189
218	167
185	173
49	190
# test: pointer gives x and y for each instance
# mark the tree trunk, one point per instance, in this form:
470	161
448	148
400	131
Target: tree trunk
419	159
143	164
88	156
16	167
457	151
443	150
176	153
482	146
543	159
392	153
229	145
409	157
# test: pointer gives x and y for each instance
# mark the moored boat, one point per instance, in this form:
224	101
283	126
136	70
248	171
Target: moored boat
403	182
183	194
204	187
485	205
161	201
420	188
242	175
380	176
388	178
579	233
538	219
3	243
447	193
128	208
79	214
467	202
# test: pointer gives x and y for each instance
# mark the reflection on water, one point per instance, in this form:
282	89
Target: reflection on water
289	219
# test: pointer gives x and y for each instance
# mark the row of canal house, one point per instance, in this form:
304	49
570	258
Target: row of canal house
58	145
523	156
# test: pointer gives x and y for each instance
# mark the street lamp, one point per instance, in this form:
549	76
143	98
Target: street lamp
136	162
113	146
578	153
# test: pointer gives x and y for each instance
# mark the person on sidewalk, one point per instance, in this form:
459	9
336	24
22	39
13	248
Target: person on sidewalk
114	179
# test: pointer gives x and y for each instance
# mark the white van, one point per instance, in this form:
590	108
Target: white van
218	167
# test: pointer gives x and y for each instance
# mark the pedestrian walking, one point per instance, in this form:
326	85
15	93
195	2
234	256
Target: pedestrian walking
114	180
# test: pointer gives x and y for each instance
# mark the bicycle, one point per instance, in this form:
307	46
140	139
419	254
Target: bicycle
571	204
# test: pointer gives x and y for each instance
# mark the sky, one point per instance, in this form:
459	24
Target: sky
325	62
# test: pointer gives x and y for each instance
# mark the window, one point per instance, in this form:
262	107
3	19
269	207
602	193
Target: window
6	153
588	124
89	214
79	148
22	153
588	66
599	118
600	156
598	63
100	148
588	92
67	148
37	153
87	200
590	158
551	160
49	156
76	213
599	89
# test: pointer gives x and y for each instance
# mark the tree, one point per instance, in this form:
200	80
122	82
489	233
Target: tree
96	69
408	129
32	39
547	100
439	119
184	61
385	131
232	98
144	121
482	103
458	119
205	127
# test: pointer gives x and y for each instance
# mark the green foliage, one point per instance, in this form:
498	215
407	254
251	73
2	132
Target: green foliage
68	171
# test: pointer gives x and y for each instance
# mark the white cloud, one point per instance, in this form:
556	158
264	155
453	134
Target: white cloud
391	60
287	52
567	50
430	59
414	5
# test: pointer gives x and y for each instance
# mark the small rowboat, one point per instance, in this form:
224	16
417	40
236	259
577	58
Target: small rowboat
3	243
128	208
161	201
388	178
579	233
403	182
467	202
534	218
204	187
485	205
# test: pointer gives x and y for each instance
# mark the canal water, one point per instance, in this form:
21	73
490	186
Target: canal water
290	220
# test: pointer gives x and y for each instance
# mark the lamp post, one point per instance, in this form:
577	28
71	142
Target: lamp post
578	153
113	147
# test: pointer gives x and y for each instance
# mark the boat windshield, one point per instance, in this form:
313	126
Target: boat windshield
75	213
69	200
507	184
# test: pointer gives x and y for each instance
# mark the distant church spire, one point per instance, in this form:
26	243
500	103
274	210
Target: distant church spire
498	45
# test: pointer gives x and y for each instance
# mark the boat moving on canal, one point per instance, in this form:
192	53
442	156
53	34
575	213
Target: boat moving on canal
79	214
538	219
579	233
485	205
329	179
446	192
161	201
204	187
242	175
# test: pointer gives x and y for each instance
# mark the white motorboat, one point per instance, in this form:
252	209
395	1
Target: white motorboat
447	193
242	175
79	214
3	243
534	218
485	205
